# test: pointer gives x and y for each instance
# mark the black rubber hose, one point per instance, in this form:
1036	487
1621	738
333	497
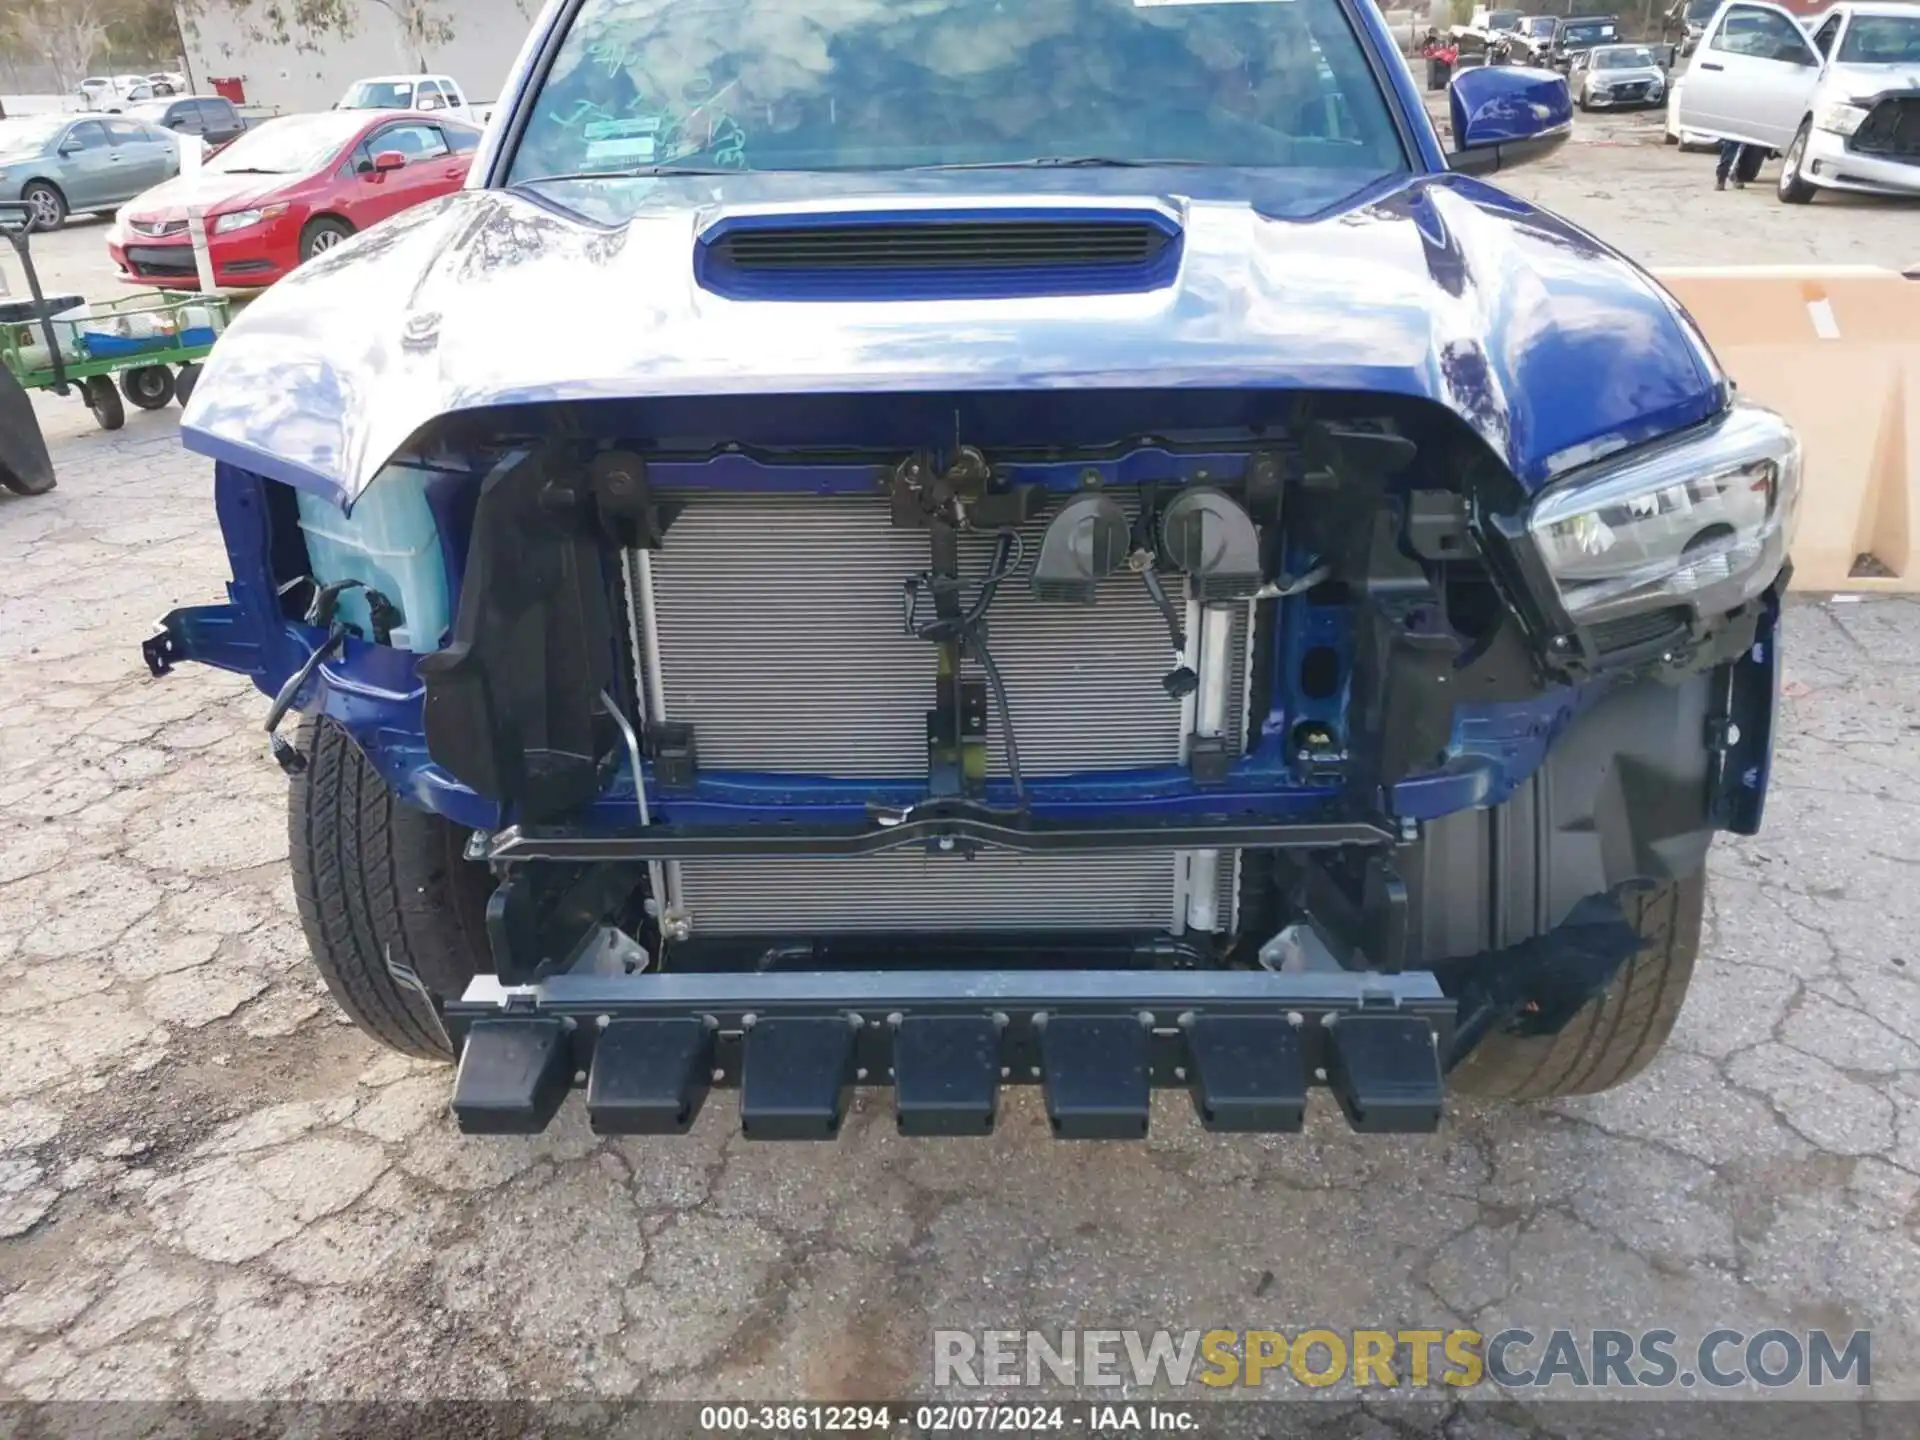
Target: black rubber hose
999	688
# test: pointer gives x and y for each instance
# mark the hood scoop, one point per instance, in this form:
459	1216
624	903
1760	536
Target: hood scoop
939	254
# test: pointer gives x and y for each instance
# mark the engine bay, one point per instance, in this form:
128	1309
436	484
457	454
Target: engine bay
822	708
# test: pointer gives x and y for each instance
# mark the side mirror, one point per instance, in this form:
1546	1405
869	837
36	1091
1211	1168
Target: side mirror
388	160
1505	117
71	147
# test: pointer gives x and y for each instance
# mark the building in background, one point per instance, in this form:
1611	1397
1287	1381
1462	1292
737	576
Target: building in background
475	41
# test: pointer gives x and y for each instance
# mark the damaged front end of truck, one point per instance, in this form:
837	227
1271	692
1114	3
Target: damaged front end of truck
1103	637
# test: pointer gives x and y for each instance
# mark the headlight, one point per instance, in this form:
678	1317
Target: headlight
1840	117
241	219
1702	520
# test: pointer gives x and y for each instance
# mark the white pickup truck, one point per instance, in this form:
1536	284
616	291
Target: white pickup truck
1485	28
437	93
1839	97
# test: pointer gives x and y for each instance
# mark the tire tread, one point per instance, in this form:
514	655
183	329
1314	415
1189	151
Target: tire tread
348	835
1617	1034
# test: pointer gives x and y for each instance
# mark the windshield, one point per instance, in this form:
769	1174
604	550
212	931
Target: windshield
1503	20
1634	59
769	85
1576	33
29	134
293	145
1881	40
1538	25
379	95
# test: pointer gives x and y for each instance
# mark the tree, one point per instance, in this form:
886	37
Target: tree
67	33
421	23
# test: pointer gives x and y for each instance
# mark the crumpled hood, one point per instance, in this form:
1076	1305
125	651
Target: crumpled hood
1554	348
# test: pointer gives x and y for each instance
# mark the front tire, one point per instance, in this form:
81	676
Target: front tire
48	205
322	235
1793	189
1617	808
1615	1035
374	877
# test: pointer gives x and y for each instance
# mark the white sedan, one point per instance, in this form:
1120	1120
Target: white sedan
1676	135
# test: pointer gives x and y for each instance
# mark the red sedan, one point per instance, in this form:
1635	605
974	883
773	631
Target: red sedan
287	191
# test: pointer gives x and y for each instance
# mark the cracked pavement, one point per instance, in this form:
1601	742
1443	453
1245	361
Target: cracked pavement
212	1187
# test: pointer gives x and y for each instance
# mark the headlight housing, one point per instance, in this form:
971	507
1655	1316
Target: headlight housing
1702	520
1840	117
242	219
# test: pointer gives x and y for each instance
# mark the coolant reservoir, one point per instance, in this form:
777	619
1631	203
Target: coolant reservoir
389	543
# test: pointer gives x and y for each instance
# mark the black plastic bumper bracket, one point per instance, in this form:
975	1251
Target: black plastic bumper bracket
649	1077
1385	1072
1094	1071
1248	1073
1096	1041
796	1078
513	1075
946	1074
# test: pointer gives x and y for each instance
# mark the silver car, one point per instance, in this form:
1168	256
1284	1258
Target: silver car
62	164
1609	76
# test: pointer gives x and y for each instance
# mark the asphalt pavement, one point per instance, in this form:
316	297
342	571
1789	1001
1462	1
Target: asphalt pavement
211	1187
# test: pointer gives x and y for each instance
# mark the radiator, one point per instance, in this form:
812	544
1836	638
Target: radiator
780	639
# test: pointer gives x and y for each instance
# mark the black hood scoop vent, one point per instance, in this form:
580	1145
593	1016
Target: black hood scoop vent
941	254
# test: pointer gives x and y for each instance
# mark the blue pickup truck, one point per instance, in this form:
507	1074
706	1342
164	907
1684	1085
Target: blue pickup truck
949	546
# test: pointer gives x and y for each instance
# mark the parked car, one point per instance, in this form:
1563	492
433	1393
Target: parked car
167	82
931	595
287	191
1675	134
1610	77
1529	42
1485	30
435	93
1841	105
1686	23
112	94
64	164
212	119
1580	34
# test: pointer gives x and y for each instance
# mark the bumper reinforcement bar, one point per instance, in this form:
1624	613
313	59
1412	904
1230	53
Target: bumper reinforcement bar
765	842
1245	1044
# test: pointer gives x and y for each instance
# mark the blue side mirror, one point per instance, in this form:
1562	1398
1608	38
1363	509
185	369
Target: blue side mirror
1505	116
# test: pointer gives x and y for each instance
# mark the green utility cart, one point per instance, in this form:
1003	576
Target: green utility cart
145	348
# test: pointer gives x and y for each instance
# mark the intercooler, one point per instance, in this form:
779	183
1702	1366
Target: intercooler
774	625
